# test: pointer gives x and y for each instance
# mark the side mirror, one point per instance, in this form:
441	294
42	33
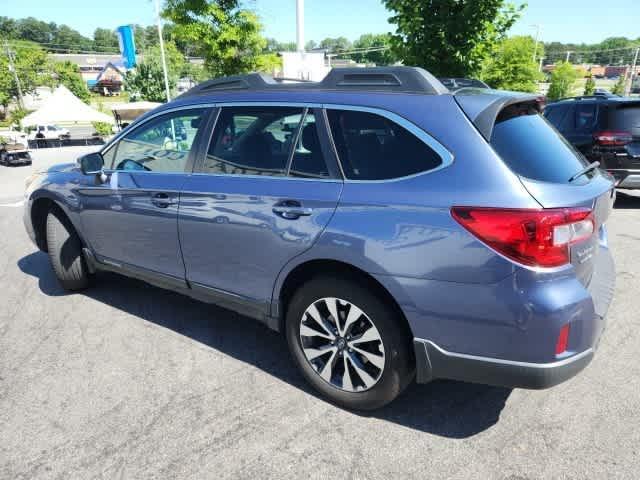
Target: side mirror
92	163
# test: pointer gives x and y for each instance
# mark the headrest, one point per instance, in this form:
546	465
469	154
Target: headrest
310	139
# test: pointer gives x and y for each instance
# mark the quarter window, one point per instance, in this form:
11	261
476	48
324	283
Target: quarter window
252	141
372	147
161	145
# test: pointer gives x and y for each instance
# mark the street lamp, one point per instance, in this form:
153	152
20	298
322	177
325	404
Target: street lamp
535	48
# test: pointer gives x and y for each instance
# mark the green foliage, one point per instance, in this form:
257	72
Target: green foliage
511	65
105	40
68	74
563	78
103	129
611	51
589	86
378	57
449	37
274	46
335	44
227	36
618	88
146	82
31	67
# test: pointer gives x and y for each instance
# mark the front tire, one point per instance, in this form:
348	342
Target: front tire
65	252
363	360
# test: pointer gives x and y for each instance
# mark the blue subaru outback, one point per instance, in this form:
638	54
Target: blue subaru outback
389	229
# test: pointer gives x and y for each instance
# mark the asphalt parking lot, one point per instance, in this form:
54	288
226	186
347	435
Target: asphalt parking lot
129	381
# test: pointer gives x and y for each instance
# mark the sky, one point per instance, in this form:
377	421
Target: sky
576	21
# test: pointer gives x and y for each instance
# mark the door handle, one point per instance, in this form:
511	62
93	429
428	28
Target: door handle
162	200
291	210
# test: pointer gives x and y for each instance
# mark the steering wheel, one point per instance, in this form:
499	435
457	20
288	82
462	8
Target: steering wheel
129	164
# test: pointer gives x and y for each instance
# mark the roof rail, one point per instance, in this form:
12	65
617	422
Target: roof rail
589	97
383	79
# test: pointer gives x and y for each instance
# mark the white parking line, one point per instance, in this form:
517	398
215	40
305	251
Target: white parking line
14	205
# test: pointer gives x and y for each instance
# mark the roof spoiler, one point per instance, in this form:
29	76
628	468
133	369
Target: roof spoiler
482	106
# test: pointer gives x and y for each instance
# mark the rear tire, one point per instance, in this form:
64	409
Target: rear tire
366	372
65	252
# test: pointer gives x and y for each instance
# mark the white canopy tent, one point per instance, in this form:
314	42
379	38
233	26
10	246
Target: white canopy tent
64	107
127	112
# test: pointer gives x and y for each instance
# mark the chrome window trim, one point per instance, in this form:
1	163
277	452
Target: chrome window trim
267	177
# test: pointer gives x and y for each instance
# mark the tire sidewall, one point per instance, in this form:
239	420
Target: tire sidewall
397	369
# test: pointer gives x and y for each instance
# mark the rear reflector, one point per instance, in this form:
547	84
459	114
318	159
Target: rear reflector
613	137
563	339
539	238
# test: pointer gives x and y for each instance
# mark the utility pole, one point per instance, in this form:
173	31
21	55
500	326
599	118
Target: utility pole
568	55
540	64
164	61
535	48
629	83
300	25
12	69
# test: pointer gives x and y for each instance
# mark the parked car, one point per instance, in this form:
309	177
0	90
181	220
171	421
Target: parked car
397	232
455	84
605	129
49	132
14	147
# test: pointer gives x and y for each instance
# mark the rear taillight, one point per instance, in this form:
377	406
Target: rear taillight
539	238
612	138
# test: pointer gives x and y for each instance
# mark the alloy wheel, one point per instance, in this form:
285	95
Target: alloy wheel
342	344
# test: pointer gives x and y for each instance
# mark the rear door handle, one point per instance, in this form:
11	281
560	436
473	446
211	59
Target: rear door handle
291	210
162	200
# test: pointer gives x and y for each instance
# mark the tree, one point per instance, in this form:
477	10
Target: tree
310	45
449	37
377	57
511	66
31	67
563	79
146	82
589	86
227	36
105	40
274	46
68	74
335	44
618	88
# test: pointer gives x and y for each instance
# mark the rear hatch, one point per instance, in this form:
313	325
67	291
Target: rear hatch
547	166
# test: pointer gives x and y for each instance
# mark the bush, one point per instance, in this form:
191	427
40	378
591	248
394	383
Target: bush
589	86
563	78
618	88
103	129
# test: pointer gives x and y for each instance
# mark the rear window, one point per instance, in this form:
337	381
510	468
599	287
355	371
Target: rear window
528	144
627	118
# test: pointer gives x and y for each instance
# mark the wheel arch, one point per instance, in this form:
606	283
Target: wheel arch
309	269
40	207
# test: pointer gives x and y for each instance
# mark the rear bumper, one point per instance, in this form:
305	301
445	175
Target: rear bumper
433	361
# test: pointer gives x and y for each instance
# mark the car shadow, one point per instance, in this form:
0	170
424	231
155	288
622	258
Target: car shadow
626	201
445	408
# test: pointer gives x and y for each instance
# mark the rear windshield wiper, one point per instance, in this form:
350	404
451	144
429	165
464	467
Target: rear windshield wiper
592	166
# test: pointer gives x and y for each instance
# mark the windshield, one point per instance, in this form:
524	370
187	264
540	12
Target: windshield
532	148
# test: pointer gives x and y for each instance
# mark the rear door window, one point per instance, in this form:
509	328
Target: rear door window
585	117
531	148
372	147
252	141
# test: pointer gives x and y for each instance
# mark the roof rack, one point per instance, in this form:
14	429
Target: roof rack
382	79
